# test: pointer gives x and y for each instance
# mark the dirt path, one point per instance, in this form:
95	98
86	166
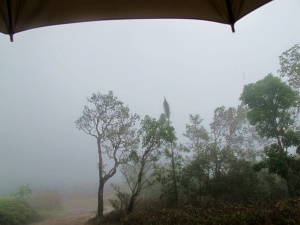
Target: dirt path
79	208
71	217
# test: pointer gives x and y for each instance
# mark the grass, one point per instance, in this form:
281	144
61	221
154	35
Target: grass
16	212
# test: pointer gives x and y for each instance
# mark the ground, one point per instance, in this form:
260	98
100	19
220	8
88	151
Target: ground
69	217
78	209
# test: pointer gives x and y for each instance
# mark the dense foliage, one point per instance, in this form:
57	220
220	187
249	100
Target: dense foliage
280	212
241	169
16	212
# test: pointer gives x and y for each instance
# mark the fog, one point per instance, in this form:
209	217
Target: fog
46	74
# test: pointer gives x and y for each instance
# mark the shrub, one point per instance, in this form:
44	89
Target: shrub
16	212
280	212
22	193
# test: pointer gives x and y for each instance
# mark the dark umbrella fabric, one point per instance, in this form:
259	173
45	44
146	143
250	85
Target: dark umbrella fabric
21	15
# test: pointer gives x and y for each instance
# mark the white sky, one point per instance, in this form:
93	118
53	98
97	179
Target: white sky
47	73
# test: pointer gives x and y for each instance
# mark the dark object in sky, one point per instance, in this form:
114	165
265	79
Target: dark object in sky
21	15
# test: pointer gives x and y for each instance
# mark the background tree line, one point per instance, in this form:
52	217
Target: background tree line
248	153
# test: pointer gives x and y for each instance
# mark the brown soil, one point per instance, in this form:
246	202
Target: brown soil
80	208
71	217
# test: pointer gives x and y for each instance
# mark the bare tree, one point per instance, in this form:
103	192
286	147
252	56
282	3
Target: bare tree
113	127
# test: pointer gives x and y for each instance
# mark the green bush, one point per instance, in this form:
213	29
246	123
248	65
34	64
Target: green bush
22	193
16	212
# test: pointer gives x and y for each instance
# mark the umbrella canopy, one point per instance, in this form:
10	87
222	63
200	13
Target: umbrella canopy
21	15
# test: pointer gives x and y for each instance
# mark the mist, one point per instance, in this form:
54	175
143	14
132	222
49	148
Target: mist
46	74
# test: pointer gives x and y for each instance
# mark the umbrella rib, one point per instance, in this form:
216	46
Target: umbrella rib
231	17
10	29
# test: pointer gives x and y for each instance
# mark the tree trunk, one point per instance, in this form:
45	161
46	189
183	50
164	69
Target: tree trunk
200	191
100	201
289	182
290	186
132	201
137	191
174	177
101	184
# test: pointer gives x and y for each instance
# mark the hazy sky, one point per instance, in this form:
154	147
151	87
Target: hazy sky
47	73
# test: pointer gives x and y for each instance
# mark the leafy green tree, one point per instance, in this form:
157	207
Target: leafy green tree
230	139
290	66
286	166
242	182
169	171
197	169
140	173
23	192
195	177
113	127
270	102
196	133
172	154
230	129
290	69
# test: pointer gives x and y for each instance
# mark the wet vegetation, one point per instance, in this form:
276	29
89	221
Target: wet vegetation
24	207
16	212
242	169
15	209
282	212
